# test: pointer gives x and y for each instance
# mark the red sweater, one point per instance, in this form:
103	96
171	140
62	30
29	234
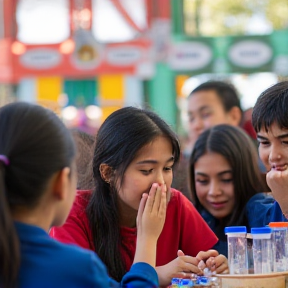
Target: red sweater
184	229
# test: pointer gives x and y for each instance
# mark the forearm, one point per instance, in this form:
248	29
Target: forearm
146	251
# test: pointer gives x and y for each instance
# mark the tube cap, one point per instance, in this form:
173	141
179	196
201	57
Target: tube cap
261	230
235	229
278	224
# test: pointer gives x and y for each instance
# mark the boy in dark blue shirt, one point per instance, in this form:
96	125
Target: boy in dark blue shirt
270	121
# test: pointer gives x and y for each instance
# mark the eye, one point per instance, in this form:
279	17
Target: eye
264	143
191	118
206	114
146	172
227	180
202	181
168	168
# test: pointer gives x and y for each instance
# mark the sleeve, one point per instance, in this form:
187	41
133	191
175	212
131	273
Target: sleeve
141	275
262	209
75	230
196	235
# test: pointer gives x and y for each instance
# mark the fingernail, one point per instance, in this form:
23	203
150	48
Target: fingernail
201	264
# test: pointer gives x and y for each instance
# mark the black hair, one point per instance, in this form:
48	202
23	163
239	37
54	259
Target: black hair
226	93
84	144
240	152
119	138
37	144
271	106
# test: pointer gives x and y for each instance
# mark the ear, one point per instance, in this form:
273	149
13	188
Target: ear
106	172
61	183
235	116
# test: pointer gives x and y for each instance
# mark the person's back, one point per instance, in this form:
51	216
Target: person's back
49	263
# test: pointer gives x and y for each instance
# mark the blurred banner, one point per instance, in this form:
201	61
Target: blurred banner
65	37
231	54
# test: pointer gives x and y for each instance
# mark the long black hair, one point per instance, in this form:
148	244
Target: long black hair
36	144
118	140
241	154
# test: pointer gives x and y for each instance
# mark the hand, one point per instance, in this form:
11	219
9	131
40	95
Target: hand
212	260
181	267
150	221
278	183
152	212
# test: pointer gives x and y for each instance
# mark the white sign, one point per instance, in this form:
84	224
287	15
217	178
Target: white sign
41	58
250	53
124	55
189	56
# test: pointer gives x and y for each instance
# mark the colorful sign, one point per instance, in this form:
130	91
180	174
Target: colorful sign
233	54
192	55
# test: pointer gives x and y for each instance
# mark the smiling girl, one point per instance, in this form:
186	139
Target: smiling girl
135	152
225	182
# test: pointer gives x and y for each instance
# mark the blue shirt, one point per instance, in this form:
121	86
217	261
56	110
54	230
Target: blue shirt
260	210
46	262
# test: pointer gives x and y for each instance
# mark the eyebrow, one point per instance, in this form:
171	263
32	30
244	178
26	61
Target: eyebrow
279	137
154	161
200	109
204	107
220	174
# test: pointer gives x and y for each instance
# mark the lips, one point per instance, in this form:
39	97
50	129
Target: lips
218	205
279	167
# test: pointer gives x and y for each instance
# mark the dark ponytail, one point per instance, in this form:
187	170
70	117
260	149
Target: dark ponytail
9	244
37	145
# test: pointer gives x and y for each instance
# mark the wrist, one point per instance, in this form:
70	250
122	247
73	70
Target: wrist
146	241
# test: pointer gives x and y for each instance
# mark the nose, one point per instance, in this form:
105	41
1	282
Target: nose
197	124
160	178
214	189
275	154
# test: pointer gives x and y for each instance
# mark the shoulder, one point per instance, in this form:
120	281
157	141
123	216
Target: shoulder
181	206
260	199
81	201
61	265
82	197
69	254
179	200
262	209
176	195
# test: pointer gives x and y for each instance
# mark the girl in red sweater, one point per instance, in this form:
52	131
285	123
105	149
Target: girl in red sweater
135	151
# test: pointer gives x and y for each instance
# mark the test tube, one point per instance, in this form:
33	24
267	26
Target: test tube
175	282
279	245
186	283
237	249
262	250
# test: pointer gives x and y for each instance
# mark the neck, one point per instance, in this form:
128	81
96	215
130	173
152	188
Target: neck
39	216
127	215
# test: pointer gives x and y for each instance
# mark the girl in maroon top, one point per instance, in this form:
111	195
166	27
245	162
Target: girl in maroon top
135	151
